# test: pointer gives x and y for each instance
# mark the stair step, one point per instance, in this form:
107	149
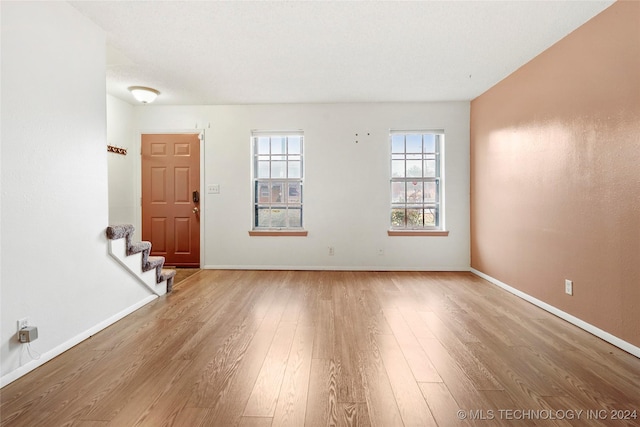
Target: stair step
115	232
168	275
139	247
153	262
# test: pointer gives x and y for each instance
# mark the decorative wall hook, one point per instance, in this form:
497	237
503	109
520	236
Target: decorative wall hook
117	150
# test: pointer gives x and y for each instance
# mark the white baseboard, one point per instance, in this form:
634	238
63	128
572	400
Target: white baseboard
331	268
45	357
612	339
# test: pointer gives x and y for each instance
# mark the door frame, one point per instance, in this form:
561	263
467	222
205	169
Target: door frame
138	181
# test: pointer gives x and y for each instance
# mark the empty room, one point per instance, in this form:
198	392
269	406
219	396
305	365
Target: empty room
288	213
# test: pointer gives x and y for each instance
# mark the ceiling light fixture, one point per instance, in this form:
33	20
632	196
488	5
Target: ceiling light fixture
146	95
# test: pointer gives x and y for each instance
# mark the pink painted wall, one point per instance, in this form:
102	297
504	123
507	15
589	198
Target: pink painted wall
555	174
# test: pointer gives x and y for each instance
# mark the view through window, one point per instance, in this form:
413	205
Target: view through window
416	180
278	174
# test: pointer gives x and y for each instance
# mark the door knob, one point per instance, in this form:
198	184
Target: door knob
196	210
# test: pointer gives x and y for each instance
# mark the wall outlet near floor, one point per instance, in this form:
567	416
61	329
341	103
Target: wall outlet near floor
380	251
23	323
568	287
28	334
332	251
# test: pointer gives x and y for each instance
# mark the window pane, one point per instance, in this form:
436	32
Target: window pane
397	168
263	145
278	145
414	218
294	216
397	143
294	145
294	170
429	143
262	217
262	192
397	217
414	168
294	193
430	167
263	168
414	143
278	218
398	192
430	192
277	192
414	192
278	169
431	217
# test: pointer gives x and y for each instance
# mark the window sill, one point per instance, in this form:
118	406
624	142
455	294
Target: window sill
436	233
278	233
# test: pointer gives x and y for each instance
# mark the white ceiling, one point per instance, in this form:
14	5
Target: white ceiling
210	52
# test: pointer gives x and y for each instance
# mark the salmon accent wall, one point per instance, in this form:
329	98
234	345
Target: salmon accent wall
555	175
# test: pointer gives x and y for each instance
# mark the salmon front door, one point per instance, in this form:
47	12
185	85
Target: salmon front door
171	197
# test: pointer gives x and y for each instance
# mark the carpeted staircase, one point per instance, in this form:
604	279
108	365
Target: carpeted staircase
147	263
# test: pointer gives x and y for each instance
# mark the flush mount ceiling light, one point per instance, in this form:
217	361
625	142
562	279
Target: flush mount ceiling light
146	95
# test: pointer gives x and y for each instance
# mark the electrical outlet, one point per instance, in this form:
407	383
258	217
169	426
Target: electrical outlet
568	287
380	251
331	251
23	323
28	334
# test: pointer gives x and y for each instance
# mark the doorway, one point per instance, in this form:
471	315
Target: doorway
171	197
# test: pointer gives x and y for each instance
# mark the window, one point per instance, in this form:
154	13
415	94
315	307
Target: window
416	180
277	173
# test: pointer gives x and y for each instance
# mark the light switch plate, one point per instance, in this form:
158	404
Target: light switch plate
213	189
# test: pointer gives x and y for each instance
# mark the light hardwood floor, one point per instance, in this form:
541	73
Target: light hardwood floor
276	348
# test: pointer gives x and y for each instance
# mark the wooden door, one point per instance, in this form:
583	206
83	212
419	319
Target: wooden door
170	197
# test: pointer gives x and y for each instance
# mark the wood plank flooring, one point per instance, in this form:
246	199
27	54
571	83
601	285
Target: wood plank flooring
307	348
182	273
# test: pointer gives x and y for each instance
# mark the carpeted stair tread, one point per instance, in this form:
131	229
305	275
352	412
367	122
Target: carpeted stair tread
115	232
153	262
168	275
138	247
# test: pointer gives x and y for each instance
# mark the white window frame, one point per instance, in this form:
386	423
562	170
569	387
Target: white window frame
263	187
416	203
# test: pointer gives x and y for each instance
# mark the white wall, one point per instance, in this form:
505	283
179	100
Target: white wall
121	133
54	267
346	193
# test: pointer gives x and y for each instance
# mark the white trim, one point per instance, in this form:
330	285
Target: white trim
332	268
612	339
203	203
416	131
30	366
266	132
